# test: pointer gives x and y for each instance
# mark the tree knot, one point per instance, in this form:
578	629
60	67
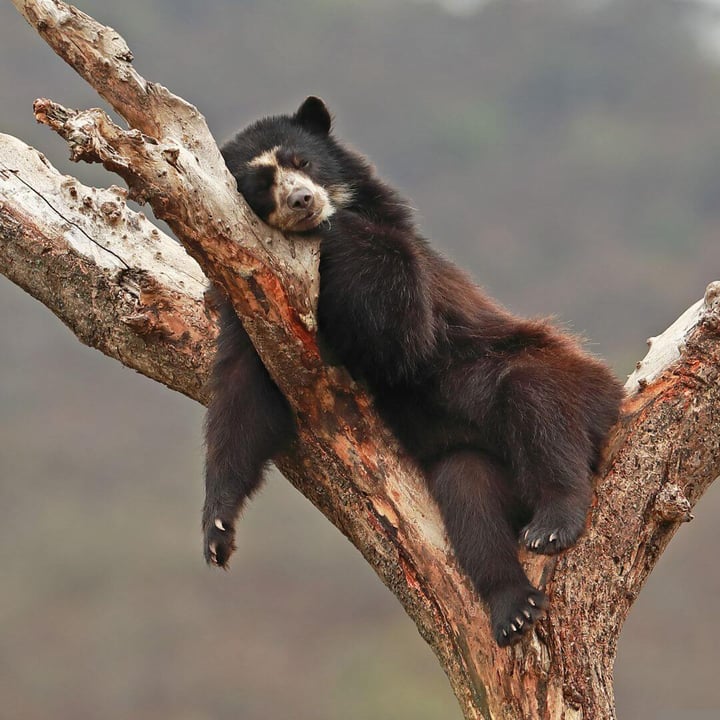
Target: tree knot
671	505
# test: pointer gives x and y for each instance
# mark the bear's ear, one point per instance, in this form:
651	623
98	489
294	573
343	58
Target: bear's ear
314	116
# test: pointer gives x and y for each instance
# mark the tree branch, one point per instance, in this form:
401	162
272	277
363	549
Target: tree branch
85	255
96	265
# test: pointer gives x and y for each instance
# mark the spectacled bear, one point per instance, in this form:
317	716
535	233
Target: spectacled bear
506	417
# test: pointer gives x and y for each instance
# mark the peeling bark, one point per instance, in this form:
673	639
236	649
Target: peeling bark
123	287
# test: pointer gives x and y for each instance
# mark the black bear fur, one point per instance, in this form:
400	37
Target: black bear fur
507	417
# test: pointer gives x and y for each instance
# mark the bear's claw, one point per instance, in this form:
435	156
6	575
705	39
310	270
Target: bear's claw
219	543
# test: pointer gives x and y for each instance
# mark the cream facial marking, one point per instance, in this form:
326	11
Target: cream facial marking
287	180
269	157
341	195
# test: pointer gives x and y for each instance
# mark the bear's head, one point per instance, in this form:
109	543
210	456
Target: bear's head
289	169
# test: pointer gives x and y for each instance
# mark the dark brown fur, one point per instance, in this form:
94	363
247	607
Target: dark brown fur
507	417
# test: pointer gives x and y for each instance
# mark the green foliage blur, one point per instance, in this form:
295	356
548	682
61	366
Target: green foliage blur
566	152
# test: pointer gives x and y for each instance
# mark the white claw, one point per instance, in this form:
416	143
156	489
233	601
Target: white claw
219	524
519	621
504	632
526	614
536	544
553	537
532	602
512	625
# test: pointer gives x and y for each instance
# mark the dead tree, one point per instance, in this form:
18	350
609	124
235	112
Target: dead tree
127	289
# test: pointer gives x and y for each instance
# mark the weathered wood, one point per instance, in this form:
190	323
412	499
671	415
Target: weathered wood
663	455
85	255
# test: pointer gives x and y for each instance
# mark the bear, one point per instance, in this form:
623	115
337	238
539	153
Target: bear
506	417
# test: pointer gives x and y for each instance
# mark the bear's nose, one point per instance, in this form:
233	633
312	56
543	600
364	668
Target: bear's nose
300	199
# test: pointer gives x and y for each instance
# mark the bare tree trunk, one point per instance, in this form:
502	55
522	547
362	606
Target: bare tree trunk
123	287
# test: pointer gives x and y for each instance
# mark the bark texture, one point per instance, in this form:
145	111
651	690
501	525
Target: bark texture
123	287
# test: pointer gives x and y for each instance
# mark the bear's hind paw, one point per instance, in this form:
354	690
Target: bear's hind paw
549	540
513	612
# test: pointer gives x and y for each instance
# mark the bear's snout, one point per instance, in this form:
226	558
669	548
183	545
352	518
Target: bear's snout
300	199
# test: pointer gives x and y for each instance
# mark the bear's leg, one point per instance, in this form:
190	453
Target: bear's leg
545	432
248	422
473	494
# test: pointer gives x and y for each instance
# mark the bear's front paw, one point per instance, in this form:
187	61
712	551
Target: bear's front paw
219	541
514	611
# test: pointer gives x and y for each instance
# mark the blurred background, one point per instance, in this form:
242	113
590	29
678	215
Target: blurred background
567	153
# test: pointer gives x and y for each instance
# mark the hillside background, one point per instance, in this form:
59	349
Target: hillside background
567	153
